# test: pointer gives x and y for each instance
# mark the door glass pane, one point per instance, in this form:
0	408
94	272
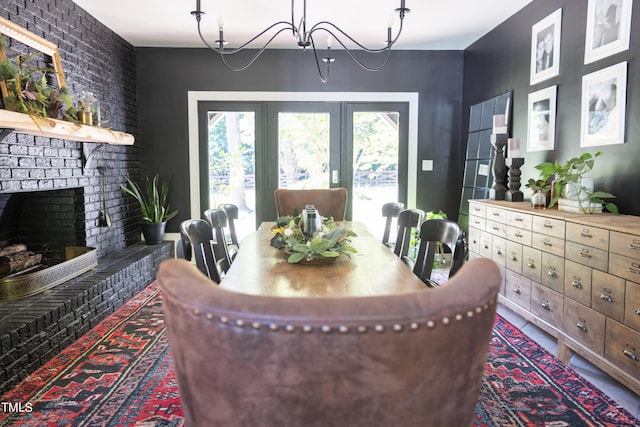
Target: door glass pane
375	166
303	150
232	165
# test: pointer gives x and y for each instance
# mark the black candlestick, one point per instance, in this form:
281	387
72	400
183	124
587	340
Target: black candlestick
498	191
514	194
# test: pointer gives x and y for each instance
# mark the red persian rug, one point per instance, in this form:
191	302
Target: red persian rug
121	374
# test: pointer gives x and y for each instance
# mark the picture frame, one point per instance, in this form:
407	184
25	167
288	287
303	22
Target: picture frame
604	104
545	48
608	28
33	41
541	124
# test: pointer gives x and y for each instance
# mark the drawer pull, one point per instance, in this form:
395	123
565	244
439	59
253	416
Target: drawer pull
495	228
545	305
531	265
552	273
630	354
606	297
581	326
576	285
518	234
496	214
519	219
516	291
547	242
585	253
513	258
635	268
486	246
548	225
638	311
587	235
474	241
498	252
635	245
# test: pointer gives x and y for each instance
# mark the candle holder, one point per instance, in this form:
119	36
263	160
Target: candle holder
498	190
514	194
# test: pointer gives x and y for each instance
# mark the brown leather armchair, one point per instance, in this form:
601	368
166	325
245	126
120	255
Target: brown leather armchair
328	201
413	359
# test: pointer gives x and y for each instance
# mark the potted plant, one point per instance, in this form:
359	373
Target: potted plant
568	183
540	191
154	207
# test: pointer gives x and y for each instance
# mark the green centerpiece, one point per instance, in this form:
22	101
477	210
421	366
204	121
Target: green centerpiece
325	245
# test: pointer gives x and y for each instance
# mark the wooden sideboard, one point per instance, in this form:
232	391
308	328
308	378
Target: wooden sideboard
576	276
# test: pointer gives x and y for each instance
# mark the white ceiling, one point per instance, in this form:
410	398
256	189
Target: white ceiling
431	25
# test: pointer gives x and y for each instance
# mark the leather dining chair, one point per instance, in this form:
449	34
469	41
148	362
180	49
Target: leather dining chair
232	215
330	202
390	211
218	221
408	359
199	235
432	232
408	220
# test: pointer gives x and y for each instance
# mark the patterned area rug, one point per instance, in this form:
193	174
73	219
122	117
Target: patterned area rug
121	374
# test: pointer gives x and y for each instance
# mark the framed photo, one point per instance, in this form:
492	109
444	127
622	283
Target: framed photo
545	48
608	28
541	134
604	104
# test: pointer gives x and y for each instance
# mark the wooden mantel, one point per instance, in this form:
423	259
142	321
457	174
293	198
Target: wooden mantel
52	128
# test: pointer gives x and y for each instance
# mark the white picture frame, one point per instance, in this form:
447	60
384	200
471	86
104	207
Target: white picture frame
545	48
541	124
604	105
608	28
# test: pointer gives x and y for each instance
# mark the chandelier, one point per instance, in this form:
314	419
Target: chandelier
304	37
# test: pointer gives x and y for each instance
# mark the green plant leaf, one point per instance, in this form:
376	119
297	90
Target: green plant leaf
330	254
296	257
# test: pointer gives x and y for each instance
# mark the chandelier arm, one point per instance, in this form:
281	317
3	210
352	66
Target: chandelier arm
287	25
323	79
355	58
318	27
253	59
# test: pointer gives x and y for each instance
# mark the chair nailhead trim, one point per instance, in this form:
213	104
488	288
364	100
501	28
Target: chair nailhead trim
344	329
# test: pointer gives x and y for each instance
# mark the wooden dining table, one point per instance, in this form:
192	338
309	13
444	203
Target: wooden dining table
261	269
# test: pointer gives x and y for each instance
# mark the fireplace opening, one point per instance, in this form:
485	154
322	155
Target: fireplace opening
42	240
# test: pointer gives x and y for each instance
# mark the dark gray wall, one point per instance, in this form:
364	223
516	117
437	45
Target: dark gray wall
165	76
500	62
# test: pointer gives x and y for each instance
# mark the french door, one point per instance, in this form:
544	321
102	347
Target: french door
247	150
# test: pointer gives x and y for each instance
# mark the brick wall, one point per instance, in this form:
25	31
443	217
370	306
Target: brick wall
96	60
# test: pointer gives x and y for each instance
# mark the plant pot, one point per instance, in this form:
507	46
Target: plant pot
153	232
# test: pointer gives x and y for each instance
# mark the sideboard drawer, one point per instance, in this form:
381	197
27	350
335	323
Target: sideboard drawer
496	214
607	295
519	235
513	259
485	244
623	266
553	271
554	245
548	226
474	239
477	222
477	209
577	282
623	347
518	289
595	258
532	263
632	306
590	236
519	220
499	250
547	304
627	245
585	325
496	228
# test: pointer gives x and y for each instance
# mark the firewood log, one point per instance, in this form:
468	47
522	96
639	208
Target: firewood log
10	249
14	263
